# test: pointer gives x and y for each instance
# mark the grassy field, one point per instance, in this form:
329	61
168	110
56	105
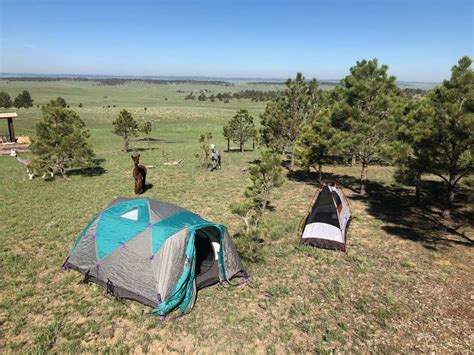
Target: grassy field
405	284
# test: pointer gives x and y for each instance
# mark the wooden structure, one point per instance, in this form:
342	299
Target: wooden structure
9	142
11	129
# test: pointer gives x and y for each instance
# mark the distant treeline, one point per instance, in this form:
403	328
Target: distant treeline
253	95
326	83
121	81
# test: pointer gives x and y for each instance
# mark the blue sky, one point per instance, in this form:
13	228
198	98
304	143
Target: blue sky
418	39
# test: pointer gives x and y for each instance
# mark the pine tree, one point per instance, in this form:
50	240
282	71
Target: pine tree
452	134
319	143
125	126
23	100
410	151
27	100
61	140
265	176
146	128
60	102
284	117
5	100
368	102
240	129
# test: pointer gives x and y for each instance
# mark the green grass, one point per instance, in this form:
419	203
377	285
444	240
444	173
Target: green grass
400	281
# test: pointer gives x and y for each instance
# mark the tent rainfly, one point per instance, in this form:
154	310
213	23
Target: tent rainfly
328	221
155	253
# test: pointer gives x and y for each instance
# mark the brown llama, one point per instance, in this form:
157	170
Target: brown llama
139	174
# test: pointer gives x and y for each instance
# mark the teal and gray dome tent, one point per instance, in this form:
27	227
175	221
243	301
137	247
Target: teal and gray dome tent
154	252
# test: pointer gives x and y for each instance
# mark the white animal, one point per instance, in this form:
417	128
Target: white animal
25	162
28	164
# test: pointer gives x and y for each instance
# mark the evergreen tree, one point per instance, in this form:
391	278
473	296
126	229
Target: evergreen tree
265	175
126	127
27	100
410	151
285	116
319	143
146	128
61	141
240	128
59	102
5	100
369	100
452	133
23	100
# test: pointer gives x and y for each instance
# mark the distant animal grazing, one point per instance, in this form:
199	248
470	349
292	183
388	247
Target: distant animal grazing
25	162
139	174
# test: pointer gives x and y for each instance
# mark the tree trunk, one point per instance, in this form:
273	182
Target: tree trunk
62	171
241	146
353	159
265	200
363	178
417	187
125	144
228	144
292	162
253	144
320	172
449	206
247	225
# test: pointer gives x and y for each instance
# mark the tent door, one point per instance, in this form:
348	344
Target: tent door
207	243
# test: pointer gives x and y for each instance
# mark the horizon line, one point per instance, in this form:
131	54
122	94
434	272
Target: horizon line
4	75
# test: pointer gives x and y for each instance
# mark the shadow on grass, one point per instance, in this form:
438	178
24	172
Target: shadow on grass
142	149
147	187
148	140
95	170
154	140
311	178
395	205
237	150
